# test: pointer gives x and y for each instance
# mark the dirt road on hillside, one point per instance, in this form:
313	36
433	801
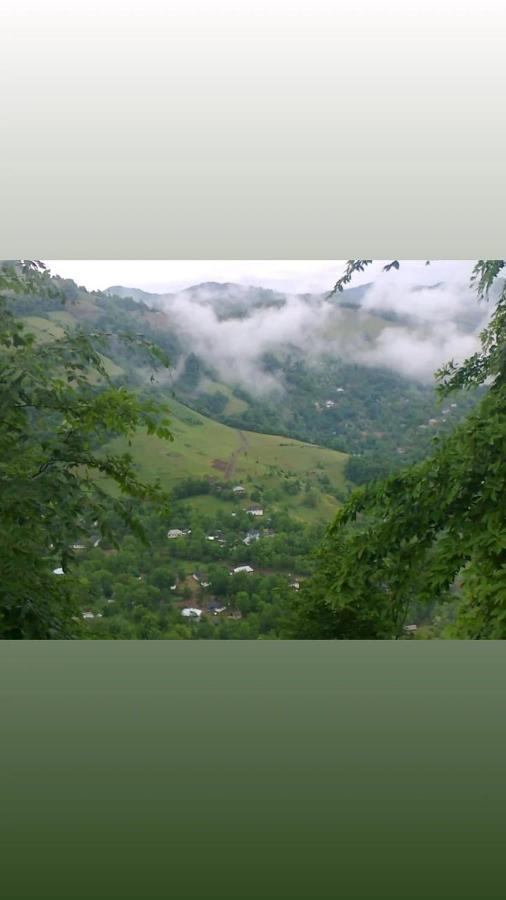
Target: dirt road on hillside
228	466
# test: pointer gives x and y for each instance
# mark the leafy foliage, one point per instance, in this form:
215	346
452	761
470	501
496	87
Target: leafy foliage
58	409
433	532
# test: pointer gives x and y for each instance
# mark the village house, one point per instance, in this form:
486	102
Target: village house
191	612
218	537
198	577
175	533
251	536
255	511
238	489
242	569
215	609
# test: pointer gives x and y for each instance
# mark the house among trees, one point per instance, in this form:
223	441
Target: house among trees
242	569
238	489
191	612
198	577
255	511
216	609
175	533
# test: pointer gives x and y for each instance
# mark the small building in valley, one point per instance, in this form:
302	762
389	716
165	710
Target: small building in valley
191	612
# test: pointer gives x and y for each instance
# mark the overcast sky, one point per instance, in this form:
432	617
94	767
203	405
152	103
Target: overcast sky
295	276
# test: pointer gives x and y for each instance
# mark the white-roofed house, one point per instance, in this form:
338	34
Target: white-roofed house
191	612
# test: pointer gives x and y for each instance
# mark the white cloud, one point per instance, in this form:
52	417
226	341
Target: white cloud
437	323
417	355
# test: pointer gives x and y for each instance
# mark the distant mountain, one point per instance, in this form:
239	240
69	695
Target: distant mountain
137	294
231	301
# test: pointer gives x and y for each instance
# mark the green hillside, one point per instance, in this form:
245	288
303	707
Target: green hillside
203	448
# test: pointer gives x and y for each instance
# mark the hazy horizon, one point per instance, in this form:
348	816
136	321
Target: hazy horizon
292	276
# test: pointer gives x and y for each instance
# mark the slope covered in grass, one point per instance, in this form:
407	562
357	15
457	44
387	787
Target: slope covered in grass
203	448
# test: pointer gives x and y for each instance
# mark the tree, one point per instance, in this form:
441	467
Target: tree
435	531
58	411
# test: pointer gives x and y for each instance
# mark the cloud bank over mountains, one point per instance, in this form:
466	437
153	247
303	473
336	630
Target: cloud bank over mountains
411	320
436	324
396	322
